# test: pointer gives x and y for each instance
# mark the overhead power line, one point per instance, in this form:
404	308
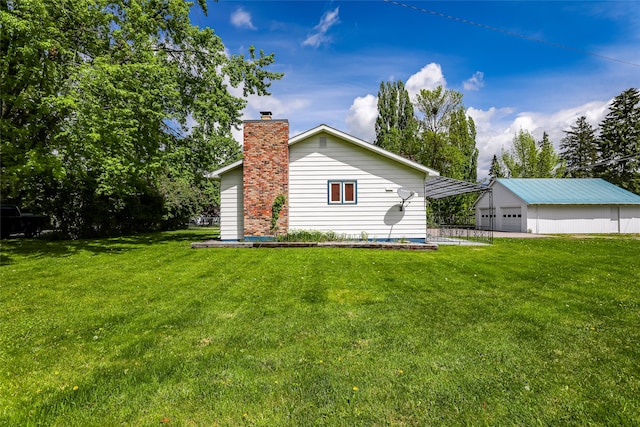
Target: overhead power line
509	33
612	161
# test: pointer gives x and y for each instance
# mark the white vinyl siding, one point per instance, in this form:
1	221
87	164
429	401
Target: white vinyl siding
231	205
314	164
629	219
578	219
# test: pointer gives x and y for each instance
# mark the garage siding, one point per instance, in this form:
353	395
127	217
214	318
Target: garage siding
629	219
583	219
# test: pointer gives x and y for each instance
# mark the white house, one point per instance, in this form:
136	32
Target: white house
332	181
559	206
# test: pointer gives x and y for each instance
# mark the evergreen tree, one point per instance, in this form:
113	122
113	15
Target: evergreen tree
579	149
619	142
496	168
548	162
396	125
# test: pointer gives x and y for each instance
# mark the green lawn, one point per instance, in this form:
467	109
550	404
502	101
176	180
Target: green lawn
146	331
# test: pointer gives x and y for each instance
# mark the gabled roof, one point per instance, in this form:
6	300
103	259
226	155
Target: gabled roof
363	144
569	191
346	137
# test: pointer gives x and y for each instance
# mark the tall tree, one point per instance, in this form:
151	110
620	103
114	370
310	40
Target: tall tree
579	149
447	143
619	142
530	159
111	110
396	125
521	160
442	138
438	109
462	139
496	168
548	162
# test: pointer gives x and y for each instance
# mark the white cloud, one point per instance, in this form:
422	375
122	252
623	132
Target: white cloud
242	19
363	112
475	82
281	109
497	127
362	117
319	35
429	77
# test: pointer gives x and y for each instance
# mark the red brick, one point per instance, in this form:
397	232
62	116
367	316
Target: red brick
265	174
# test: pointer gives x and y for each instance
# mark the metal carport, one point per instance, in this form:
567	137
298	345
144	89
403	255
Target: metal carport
441	187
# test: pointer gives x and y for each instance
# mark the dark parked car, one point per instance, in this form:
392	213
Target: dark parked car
14	221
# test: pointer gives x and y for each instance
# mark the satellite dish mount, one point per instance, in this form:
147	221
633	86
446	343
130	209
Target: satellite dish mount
405	194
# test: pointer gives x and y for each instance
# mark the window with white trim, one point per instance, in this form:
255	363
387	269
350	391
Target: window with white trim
342	192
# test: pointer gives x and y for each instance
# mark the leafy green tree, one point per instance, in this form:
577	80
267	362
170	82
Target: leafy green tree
437	108
112	110
521	160
579	149
619	142
464	153
447	143
396	126
530	159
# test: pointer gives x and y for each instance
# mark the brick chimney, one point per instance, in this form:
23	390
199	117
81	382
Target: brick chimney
265	174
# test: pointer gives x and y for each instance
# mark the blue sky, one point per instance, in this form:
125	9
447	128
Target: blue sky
513	76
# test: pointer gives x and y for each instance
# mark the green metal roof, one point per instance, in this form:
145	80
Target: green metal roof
569	191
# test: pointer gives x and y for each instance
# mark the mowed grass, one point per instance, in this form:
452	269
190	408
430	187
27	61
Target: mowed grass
145	331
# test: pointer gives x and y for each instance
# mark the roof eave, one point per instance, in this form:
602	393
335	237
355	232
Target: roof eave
218	173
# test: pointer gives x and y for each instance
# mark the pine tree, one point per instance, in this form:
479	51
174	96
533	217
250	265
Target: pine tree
619	142
547	159
496	168
579	149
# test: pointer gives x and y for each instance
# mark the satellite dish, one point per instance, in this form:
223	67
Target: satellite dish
405	194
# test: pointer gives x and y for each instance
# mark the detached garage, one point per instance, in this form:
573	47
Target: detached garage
559	206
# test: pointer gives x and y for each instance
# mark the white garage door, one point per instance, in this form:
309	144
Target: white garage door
485	218
511	219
